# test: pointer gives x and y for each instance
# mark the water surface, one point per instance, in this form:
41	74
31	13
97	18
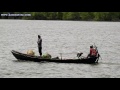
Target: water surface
66	37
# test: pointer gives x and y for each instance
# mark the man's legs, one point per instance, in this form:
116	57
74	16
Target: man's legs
40	51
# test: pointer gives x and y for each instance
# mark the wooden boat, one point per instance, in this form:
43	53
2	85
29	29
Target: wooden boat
21	56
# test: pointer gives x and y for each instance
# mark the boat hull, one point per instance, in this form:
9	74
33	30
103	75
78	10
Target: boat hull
21	56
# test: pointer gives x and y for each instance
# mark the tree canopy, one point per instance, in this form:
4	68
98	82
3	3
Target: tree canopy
86	16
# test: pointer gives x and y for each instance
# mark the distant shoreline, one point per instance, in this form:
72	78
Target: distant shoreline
62	20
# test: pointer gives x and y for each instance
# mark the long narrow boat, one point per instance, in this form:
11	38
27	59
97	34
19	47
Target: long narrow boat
22	56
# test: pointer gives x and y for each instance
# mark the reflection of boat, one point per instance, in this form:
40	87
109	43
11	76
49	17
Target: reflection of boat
21	56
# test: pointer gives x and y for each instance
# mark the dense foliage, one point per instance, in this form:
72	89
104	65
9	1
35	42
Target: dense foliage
87	16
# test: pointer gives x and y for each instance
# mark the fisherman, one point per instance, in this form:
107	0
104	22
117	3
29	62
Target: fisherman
93	52
39	42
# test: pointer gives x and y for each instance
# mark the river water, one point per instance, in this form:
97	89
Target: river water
66	37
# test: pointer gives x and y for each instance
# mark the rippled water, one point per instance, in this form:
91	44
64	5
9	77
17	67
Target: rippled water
66	37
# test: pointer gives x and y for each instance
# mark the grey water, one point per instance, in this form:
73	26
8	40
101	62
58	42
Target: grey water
66	37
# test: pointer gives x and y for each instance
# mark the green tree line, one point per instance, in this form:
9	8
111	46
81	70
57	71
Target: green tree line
86	16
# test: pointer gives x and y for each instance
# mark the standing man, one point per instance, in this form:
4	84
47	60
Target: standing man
39	42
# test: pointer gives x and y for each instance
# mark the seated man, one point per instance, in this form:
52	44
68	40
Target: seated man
93	52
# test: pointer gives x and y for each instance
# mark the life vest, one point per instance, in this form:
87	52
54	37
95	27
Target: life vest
93	52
